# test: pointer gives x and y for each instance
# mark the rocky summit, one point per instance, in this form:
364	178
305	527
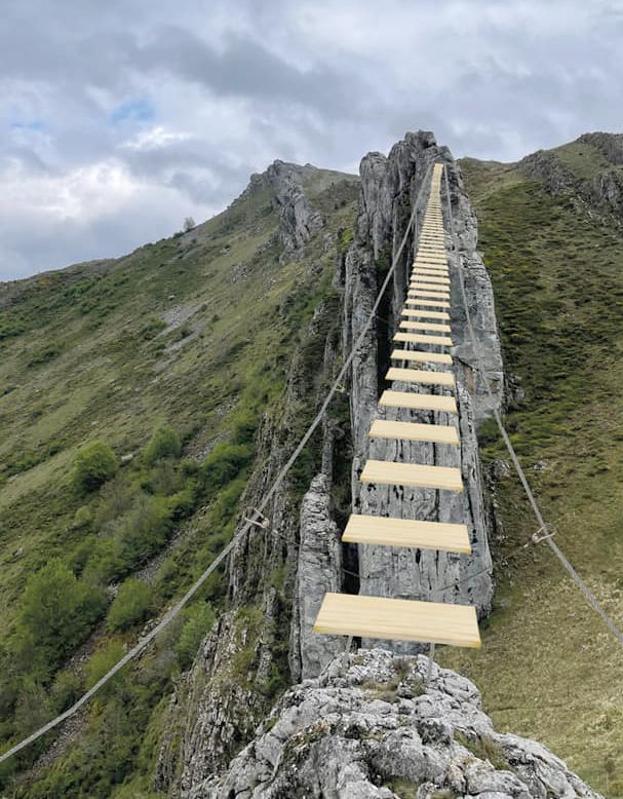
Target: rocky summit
374	726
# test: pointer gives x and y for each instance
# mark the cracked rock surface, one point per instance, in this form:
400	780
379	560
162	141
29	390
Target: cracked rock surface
369	727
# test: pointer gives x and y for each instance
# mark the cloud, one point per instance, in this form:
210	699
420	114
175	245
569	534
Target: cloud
117	120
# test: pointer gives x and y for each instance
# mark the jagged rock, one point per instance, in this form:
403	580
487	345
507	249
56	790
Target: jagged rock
298	220
319	570
370	728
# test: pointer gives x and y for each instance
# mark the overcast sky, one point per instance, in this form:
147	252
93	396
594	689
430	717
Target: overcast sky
118	118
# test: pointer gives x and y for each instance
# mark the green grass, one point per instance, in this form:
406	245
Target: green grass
549	669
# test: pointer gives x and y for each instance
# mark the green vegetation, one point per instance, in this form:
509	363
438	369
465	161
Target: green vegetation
484	748
131	606
157	372
165	443
557	269
95	464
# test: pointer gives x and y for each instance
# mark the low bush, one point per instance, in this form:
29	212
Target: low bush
95	464
164	443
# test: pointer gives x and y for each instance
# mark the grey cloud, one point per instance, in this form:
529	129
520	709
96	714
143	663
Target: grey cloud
528	75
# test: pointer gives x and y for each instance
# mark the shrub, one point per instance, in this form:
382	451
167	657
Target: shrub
95	464
56	614
164	443
199	619
131	605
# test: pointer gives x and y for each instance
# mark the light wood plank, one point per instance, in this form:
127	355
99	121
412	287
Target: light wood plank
398	620
440	284
422	338
421	314
428	303
414	475
392	532
429	294
420	376
429	280
420	356
417	402
412	431
436	328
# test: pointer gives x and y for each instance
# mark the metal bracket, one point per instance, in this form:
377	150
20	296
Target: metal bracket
542	534
263	522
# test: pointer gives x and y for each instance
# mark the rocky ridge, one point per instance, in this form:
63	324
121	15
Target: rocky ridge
371	727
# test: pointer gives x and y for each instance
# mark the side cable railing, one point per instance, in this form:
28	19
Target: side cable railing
249	524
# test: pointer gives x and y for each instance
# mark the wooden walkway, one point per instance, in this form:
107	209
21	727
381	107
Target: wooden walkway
401	619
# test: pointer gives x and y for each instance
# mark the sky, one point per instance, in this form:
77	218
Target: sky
119	118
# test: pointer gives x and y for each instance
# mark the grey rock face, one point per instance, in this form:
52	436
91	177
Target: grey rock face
298	220
389	187
319	570
370	728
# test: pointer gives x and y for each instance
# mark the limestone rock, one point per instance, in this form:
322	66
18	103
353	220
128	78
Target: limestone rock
370	728
319	570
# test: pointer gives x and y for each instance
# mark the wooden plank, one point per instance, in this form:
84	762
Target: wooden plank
429	279
415	475
428	294
412	431
422	338
398	620
428	303
420	271
436	328
417	402
392	532
420	376
422	314
422	283
420	356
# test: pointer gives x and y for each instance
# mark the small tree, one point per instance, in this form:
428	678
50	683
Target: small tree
95	464
189	224
131	605
164	443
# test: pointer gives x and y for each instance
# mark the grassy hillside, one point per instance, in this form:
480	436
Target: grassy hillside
162	365
549	668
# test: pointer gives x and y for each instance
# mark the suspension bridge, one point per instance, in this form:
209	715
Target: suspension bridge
424	330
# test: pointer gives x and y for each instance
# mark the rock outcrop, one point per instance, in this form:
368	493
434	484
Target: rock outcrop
319	569
298	219
371	727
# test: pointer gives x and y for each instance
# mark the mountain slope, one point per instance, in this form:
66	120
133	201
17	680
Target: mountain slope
192	337
553	244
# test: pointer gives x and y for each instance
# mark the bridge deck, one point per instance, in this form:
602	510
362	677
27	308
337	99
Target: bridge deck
416	475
